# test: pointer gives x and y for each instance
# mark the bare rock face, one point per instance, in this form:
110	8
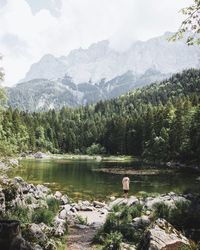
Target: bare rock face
163	236
10	236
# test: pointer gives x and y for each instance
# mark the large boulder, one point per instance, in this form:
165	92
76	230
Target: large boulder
122	201
169	199
58	195
10	236
163	236
65	199
141	222
35	234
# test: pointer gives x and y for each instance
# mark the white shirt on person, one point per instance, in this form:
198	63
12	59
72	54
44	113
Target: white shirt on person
125	183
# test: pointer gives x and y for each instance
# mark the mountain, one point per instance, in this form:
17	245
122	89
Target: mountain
47	68
101	61
44	94
86	76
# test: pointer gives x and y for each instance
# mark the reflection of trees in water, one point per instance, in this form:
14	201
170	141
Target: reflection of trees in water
78	180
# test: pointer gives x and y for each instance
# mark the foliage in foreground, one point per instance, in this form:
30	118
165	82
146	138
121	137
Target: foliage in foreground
118	228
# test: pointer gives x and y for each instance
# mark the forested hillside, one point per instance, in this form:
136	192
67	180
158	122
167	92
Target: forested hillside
159	122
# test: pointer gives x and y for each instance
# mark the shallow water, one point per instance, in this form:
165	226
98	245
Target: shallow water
79	181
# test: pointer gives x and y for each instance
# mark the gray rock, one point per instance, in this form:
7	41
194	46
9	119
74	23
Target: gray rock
98	204
67	207
86	208
78	208
112	198
96	225
132	200
58	195
14	162
59	231
63	214
162	235
73	209
36	232
103	211
80	226
86	203
37	247
42	189
118	201
141	222
24	186
169	199
125	246
65	199
148	212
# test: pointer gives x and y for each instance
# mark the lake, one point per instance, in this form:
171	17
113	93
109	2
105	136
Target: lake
78	179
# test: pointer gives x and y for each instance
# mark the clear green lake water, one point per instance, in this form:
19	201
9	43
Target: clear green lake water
77	178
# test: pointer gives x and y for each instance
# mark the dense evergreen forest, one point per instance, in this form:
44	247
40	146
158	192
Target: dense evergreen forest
159	122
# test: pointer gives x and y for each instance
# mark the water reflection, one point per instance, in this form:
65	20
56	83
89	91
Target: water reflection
79	181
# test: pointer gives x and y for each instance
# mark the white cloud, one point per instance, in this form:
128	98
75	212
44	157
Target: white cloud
25	37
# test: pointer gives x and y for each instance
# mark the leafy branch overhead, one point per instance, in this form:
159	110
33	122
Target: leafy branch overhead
190	27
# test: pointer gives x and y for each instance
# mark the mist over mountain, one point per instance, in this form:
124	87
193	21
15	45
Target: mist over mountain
99	73
101	61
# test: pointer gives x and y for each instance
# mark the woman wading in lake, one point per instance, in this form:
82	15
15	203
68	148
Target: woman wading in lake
125	184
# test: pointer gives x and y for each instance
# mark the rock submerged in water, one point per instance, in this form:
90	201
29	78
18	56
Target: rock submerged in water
163	236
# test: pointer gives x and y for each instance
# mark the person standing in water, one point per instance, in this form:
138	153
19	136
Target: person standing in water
125	184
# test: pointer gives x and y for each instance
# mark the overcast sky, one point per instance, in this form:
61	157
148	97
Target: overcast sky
31	28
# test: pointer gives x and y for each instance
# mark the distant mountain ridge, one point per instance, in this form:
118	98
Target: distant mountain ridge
86	76
101	61
44	94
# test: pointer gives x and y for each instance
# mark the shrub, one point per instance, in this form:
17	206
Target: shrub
53	204
42	215
112	222
119	221
161	211
22	214
125	215
113	241
95	149
136	210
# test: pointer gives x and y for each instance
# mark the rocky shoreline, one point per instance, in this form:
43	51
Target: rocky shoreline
47	219
19	198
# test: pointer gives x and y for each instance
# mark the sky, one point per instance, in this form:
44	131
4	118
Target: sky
31	28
